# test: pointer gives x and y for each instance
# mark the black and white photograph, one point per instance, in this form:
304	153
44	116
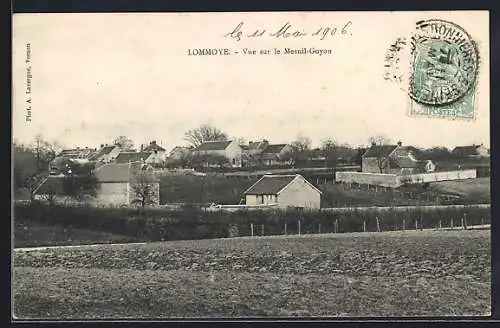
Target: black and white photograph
242	165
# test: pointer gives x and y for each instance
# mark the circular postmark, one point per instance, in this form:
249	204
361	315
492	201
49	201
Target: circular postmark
444	63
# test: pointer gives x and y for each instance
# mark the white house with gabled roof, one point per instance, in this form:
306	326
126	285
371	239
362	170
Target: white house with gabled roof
285	191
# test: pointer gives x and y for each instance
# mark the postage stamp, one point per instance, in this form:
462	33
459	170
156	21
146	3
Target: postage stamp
443	64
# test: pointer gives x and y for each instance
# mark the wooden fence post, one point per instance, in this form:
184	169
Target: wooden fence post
262	229
378	224
251	228
404	224
451	222
319	227
439	225
482	221
364	226
465	221
285	228
416	224
336	225
298	223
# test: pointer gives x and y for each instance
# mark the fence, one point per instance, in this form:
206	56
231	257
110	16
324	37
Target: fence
155	225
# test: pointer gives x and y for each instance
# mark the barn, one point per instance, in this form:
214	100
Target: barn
285	191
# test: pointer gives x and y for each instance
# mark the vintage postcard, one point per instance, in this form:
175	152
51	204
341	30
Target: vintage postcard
245	165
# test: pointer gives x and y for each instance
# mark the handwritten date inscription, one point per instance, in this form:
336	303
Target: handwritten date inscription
288	31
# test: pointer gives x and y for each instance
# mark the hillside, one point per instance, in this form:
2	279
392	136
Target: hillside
229	190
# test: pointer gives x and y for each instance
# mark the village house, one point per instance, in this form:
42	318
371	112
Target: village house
393	159
219	153
284	190
158	153
105	154
278	154
111	185
471	151
132	156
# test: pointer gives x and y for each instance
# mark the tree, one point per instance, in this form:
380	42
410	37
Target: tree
124	143
302	143
31	163
144	187
204	133
302	150
328	145
378	144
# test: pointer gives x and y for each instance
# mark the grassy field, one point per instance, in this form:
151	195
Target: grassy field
353	274
469	189
35	234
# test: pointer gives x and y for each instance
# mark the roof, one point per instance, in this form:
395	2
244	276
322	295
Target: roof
273	184
101	152
380	151
404	162
274	149
76	152
153	146
466	150
125	157
213	145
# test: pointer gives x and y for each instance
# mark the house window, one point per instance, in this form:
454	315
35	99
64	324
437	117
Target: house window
234	161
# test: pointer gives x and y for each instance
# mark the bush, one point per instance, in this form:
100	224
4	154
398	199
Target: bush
163	224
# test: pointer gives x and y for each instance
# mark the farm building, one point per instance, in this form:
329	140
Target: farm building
285	191
394	159
279	154
110	184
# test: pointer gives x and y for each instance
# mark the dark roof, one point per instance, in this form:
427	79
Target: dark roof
274	149
213	145
270	184
382	151
404	162
77	152
125	157
257	145
466	150
153	146
101	152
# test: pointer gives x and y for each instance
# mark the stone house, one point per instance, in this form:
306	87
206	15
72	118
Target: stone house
471	151
252	151
111	185
210	151
393	159
284	190
277	154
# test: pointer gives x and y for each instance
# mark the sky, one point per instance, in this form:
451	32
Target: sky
98	76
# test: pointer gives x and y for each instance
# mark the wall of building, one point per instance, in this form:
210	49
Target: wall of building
386	180
299	194
439	176
260	199
233	154
370	165
113	193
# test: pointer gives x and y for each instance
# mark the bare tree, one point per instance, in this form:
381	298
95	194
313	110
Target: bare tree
144	187
378	144
204	133
302	143
124	143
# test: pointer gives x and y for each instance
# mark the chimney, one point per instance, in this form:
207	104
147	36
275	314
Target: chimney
102	145
153	142
142	147
373	143
400	143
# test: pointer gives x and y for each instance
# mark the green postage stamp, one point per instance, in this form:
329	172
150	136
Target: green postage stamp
443	68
